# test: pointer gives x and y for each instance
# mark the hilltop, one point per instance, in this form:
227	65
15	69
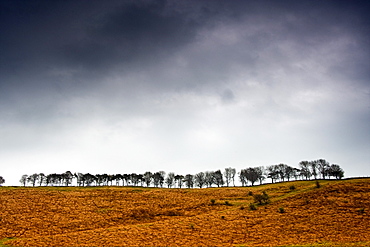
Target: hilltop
298	213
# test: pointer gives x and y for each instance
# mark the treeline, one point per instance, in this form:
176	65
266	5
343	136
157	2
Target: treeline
277	173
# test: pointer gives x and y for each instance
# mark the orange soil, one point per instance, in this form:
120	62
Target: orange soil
337	214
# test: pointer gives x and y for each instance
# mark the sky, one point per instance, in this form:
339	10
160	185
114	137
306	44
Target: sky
182	86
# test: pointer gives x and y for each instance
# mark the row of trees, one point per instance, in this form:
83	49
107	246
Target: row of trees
307	169
281	172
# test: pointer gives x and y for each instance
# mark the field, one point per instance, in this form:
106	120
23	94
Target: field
299	214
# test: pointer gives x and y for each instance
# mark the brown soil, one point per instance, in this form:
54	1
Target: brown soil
336	214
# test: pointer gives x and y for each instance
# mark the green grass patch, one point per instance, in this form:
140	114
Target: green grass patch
137	190
2	242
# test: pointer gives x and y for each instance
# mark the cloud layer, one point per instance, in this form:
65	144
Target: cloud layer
183	86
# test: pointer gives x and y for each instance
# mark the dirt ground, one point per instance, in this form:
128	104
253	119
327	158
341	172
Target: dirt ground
336	214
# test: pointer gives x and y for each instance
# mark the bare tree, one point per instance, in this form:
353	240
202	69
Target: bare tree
210	178
218	179
110	179
260	171
228	175
243	177
127	179
317	168
89	179
67	178
23	180
296	173
118	177
323	167
180	180
289	172
100	179
233	173
49	180
281	168
79	177
163	174
134	179
41	178
32	179
252	175
158	179
336	171
313	166
272	172
140	179
189	180
148	176
170	179
200	179
305	169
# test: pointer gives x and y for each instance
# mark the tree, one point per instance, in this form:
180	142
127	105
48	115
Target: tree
281	171
148	176
228	174
180	180
289	172
140	179
78	176
336	171
189	180
323	167
158	179
296	173
134	179
200	179
272	172
218	179
54	179
126	178
118	177
49	180
163	174
41	178
243	177
67	178
23	180
89	179
313	166
170	179
260	171
110	179
305	169
32	179
100	179
209	178
233	173
252	175
2	180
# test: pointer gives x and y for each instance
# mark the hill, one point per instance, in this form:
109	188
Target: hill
298	214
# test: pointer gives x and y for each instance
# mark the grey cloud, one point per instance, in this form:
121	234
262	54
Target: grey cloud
131	36
240	79
227	96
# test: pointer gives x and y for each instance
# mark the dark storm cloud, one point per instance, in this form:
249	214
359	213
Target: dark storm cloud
131	35
90	35
71	47
175	78
95	38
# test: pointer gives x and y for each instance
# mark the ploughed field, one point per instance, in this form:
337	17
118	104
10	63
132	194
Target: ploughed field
336	214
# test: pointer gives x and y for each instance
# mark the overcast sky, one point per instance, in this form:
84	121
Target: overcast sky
182	86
